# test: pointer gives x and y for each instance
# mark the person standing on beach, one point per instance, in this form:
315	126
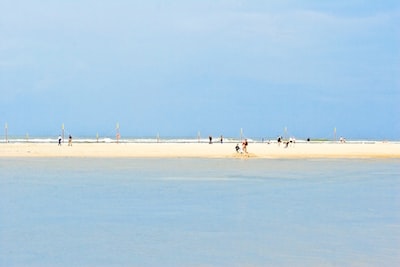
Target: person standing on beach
244	146
117	136
70	140
210	138
59	140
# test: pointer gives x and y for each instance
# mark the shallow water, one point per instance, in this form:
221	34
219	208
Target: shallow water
199	212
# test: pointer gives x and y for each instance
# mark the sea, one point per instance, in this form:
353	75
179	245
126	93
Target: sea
199	212
176	140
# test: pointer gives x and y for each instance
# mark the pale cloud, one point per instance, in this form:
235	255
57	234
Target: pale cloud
318	51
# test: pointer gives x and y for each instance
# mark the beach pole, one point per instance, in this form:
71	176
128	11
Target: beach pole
97	137
334	134
117	134
241	134
285	135
6	132
63	131
198	136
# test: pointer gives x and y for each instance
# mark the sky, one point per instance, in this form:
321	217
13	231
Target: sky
214	67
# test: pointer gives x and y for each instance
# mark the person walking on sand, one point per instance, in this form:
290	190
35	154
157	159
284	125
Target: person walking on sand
59	140
279	140
244	146
70	140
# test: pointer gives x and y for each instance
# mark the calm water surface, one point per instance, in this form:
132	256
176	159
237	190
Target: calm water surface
199	212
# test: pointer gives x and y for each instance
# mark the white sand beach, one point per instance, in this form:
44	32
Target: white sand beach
202	150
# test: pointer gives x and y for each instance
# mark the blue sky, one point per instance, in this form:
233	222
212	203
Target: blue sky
176	68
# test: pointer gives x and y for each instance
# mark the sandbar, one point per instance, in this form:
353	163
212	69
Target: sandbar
202	150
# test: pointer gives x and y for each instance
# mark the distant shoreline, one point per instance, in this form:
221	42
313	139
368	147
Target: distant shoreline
180	140
301	150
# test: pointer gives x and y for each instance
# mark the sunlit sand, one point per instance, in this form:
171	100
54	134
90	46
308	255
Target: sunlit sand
203	150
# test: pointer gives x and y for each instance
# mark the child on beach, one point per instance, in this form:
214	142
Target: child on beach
237	148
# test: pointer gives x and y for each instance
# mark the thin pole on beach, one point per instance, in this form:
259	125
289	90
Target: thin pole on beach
285	135
6	132
63	131
334	134
241	134
198	136
117	134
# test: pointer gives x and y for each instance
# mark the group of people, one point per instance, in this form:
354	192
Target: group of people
69	140
244	147
221	139
245	143
291	140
